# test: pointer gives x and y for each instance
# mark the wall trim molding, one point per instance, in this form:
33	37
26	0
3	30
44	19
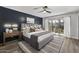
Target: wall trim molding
71	37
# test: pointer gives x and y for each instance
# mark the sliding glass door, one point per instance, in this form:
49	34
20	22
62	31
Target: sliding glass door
56	26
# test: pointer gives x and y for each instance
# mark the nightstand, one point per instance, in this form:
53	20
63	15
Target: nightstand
14	33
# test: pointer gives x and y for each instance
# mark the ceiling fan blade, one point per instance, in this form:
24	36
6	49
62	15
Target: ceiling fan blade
48	11
41	11
37	8
45	9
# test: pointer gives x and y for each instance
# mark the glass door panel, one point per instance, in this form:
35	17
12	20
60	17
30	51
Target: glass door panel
56	26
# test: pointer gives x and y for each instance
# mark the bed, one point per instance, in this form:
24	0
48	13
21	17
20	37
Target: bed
38	39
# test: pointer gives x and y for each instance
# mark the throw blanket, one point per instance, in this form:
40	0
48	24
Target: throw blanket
39	40
40	34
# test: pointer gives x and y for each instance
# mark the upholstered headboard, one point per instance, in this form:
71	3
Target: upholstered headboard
30	27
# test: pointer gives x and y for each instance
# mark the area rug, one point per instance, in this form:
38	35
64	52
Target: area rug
10	47
22	47
52	47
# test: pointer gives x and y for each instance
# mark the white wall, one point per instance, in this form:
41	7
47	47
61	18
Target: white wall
78	26
66	26
74	26
71	26
46	25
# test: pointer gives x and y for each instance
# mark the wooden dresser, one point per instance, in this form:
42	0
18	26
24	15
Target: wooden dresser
14	33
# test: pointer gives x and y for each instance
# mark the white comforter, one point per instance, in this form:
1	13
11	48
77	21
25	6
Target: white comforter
28	35
40	38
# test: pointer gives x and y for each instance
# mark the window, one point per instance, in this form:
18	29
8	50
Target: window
56	26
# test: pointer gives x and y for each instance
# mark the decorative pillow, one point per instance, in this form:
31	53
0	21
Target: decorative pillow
32	29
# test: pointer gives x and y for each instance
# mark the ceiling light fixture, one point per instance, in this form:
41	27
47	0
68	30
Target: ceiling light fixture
44	12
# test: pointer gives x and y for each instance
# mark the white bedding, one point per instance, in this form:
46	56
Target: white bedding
44	36
28	35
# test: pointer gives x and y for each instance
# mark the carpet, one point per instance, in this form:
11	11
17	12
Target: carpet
52	47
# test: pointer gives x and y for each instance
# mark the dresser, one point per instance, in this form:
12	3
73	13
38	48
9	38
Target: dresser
12	34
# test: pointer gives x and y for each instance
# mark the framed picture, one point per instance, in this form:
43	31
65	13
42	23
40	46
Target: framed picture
30	20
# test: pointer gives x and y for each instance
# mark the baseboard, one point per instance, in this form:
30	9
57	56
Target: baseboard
67	36
71	37
74	38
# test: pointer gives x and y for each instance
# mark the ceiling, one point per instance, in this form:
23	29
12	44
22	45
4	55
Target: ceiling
56	10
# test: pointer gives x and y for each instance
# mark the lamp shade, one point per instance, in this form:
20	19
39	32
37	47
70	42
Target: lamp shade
7	25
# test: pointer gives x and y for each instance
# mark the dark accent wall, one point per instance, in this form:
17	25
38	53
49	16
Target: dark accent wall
12	16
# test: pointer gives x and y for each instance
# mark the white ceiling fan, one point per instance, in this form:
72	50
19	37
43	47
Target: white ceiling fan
45	9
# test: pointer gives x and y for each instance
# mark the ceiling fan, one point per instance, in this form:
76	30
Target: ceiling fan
45	9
